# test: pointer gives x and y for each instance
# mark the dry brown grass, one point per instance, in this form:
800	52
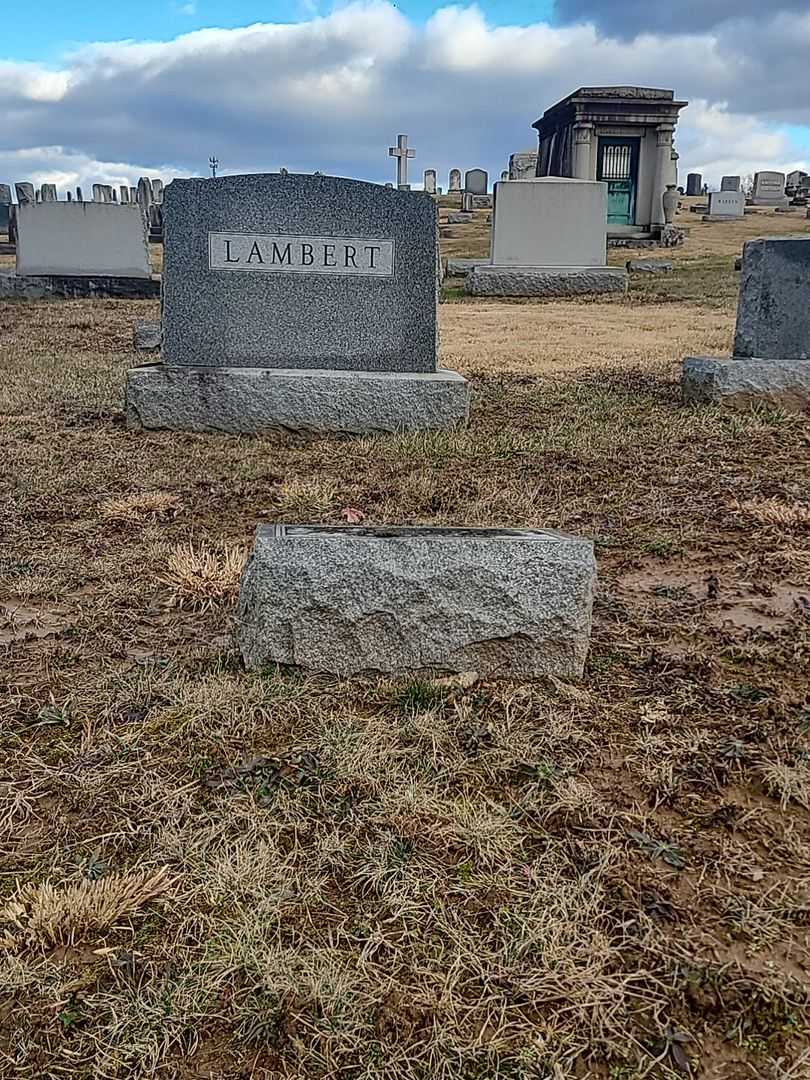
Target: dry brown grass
405	879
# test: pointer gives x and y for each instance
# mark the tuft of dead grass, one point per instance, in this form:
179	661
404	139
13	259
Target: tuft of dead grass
141	507
45	914
775	512
203	577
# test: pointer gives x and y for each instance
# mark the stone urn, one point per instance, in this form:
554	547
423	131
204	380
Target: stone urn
670	203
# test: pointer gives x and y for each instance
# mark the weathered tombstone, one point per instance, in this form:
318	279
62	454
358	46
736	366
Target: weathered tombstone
725	206
25	193
454	181
771	360
523	165
299	303
730	183
114	195
476	182
549	238
71	239
69	195
79	196
501	602
133	194
5	207
124	193
467	203
99	193
157	191
145	192
769	189
430	181
694	184
48	193
504	175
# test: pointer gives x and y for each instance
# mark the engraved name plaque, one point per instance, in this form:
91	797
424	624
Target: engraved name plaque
286	254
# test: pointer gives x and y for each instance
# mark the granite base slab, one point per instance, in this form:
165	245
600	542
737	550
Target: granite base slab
745	382
146	335
545	280
462	267
69	287
250	400
354	601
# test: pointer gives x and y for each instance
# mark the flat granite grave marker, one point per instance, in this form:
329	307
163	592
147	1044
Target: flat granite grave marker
771	360
354	600
298	302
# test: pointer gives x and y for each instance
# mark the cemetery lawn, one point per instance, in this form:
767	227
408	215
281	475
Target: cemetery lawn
208	873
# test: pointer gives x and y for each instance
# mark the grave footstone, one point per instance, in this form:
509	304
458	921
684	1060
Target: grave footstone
476	182
299	303
771	360
501	602
549	238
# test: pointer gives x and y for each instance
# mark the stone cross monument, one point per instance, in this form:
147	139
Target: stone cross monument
402	152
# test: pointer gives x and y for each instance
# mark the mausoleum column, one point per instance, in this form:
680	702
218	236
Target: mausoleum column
583	134
663	160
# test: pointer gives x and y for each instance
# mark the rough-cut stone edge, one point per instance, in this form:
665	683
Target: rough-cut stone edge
146	336
33	287
462	267
648	266
545	280
310	401
743	382
326	563
460	218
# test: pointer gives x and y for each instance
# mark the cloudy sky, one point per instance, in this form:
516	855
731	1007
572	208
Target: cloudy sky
105	91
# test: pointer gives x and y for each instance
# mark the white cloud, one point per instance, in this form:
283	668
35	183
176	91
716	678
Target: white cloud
331	92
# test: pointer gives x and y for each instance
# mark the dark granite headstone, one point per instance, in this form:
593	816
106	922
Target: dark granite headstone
773	318
476	182
694	184
298	271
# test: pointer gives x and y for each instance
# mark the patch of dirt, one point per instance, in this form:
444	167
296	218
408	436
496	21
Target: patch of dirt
31	620
728	601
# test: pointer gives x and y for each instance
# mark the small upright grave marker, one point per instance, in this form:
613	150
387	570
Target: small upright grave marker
771	361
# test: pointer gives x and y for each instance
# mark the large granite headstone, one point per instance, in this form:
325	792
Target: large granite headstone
318	295
549	238
730	183
771	361
694	184
769	189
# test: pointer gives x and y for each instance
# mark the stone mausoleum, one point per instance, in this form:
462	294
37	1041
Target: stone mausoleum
622	135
